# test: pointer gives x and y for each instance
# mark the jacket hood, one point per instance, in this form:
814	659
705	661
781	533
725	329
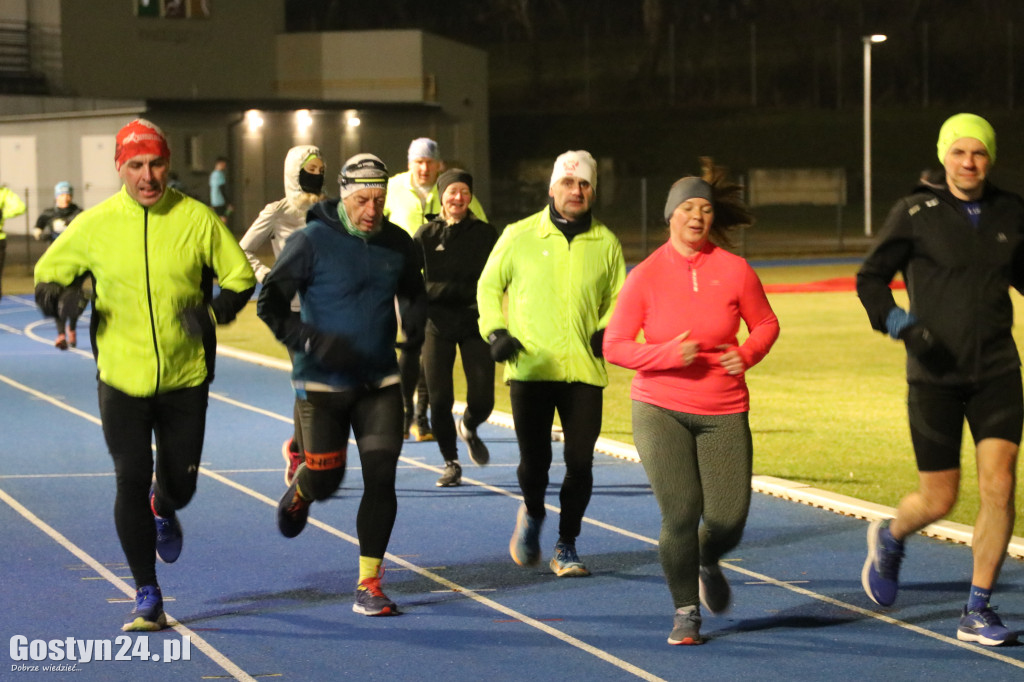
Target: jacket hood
293	162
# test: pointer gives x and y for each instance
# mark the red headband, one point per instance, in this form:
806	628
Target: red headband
139	137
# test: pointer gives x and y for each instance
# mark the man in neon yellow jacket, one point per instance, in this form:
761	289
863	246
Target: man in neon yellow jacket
10	205
562	270
412	201
152	253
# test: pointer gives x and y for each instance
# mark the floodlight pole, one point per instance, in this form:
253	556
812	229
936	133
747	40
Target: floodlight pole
868	40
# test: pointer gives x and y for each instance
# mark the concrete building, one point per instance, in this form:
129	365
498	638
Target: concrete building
222	78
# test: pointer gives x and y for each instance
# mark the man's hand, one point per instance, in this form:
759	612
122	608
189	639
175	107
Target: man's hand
503	346
48	297
925	347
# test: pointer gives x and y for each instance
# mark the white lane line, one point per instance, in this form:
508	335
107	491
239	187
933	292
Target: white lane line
220	659
454	587
627	533
558	634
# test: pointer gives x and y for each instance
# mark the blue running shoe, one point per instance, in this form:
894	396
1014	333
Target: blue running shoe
881	574
148	614
371	600
525	543
984	627
169	537
686	627
566	563
715	594
293	508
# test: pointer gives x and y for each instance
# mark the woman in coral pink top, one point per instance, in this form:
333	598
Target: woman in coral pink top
690	398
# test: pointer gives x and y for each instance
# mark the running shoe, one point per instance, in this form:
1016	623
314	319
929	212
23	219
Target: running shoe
881	573
525	544
686	628
169	537
371	600
478	452
566	563
984	627
452	475
148	614
72	338
420	430
61	342
293	509
292	460
715	594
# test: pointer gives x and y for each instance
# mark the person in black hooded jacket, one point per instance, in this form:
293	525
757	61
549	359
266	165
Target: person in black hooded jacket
957	240
454	247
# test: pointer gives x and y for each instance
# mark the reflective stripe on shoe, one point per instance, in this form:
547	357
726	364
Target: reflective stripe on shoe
371	600
984	627
566	563
525	543
686	628
881	572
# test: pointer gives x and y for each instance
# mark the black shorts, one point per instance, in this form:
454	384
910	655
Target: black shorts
993	408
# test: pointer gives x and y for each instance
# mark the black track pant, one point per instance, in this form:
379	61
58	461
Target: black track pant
579	409
477	365
178	421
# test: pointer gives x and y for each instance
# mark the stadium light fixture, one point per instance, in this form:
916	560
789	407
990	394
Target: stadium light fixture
868	42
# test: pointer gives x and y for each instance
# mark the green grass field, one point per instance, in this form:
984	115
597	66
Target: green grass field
827	404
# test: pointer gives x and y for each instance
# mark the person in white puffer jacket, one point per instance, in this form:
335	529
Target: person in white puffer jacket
303	186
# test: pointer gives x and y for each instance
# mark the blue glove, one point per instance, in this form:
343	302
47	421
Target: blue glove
897	321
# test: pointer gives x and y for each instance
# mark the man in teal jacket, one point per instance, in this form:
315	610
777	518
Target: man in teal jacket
562	270
152	253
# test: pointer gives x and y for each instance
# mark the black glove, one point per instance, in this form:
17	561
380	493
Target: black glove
71	303
927	349
48	297
333	351
597	343
503	346
196	320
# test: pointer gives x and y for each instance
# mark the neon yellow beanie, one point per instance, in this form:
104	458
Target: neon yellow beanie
966	125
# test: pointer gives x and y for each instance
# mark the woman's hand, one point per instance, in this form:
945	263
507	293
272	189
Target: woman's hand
731	360
687	349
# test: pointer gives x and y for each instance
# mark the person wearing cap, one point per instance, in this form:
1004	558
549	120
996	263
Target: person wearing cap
152	253
51	224
454	247
690	399
957	241
303	186
347	266
11	205
561	269
412	200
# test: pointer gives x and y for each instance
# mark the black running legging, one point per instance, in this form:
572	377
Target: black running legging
579	409
374	416
414	383
178	421
699	467
438	363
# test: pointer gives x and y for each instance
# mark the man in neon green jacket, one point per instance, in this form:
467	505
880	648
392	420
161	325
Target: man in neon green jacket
152	253
10	205
562	270
412	201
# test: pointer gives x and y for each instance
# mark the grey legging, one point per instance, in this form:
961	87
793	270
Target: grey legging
699	467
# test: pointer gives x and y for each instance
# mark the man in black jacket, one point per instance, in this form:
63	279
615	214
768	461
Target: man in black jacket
957	241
